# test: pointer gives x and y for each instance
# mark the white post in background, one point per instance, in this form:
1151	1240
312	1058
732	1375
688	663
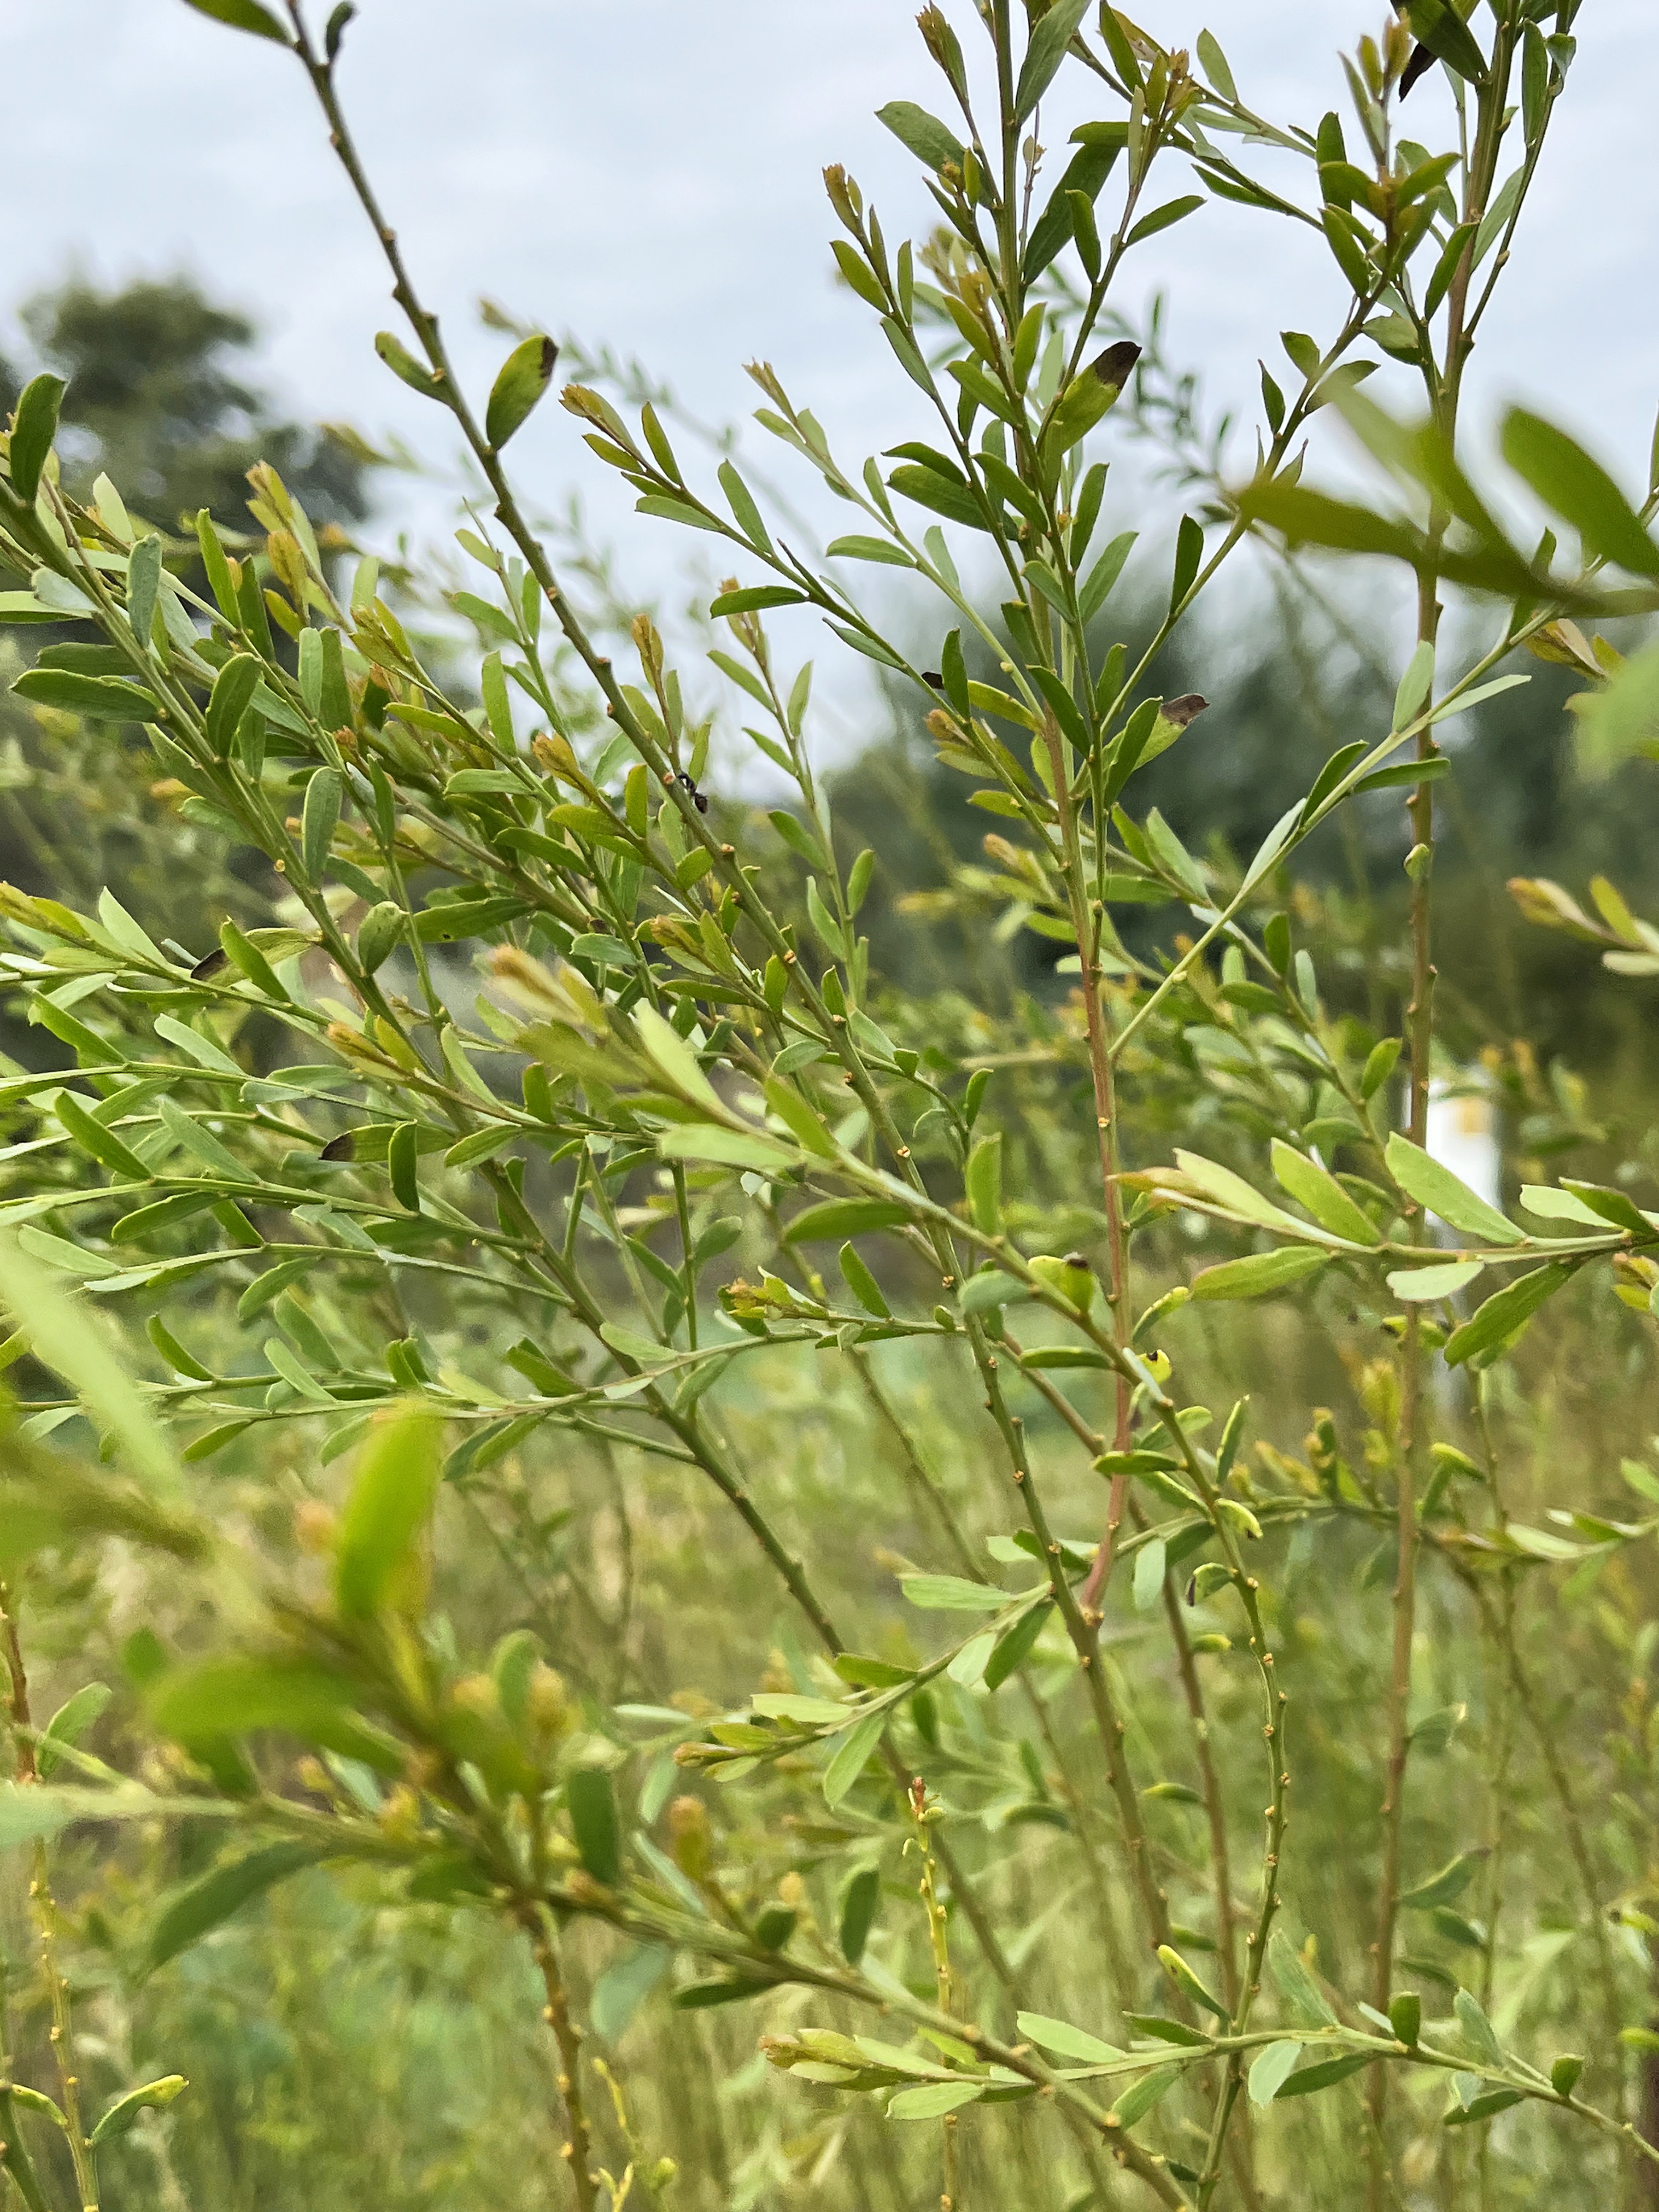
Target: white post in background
1463	1135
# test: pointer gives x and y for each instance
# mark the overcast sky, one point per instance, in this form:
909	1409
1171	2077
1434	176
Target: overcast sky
646	173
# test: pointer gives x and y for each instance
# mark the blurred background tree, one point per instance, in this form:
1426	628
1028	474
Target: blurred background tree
160	400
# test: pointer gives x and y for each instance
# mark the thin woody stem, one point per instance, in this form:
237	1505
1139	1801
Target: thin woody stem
578	2149
44	1910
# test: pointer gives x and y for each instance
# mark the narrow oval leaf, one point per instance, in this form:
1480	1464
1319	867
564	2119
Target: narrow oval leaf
69	1724
119	2116
1134	2104
852	1756
592	1805
1260	1274
319	820
954	1594
1065	2040
1415	1283
230	698
398	357
99	698
196	1908
1319	1191
1422	1177
243	15
524	375
34	425
391	1495
1323	2075
927	2103
1506	1310
1271	2070
845	1216
859	1903
1580	491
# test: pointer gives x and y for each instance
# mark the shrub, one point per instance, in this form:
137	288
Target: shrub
507	1247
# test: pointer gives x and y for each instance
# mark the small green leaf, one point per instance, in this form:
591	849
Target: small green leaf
755	598
1444	32
984	1183
1047	50
1271	2070
187	1914
34	425
592	1805
1213	63
143	585
69	1724
1506	1310
232	694
733	1148
1406	2017
525	376
1135	2103
1260	1274
953	1593
845	1216
1315	1188
1566	2072
1414	1284
243	15
398	357
1451	1881
99	698
1423	1177
1477	2029
1149	1564
859	1904
934	2099
92	1138
1014	1646
1297	1985
319	818
851	1757
931	142
1580	491
862	1284
392	1496
1172	211
1483	2107
1188	1982
1065	2040
1324	2075
223	1698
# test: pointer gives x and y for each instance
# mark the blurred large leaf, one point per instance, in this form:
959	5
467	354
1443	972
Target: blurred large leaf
225	1698
1621	721
1580	491
194	1910
392	1496
69	1339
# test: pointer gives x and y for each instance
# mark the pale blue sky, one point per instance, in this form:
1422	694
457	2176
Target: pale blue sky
646	172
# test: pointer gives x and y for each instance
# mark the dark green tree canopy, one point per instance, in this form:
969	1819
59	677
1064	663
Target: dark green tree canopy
158	401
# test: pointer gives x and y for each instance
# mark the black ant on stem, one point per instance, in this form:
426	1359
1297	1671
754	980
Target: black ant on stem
698	799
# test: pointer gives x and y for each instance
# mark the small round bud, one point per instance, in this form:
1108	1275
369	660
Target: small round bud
314	1525
690	1839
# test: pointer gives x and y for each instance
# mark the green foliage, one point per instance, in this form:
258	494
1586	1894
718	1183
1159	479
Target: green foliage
929	1638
